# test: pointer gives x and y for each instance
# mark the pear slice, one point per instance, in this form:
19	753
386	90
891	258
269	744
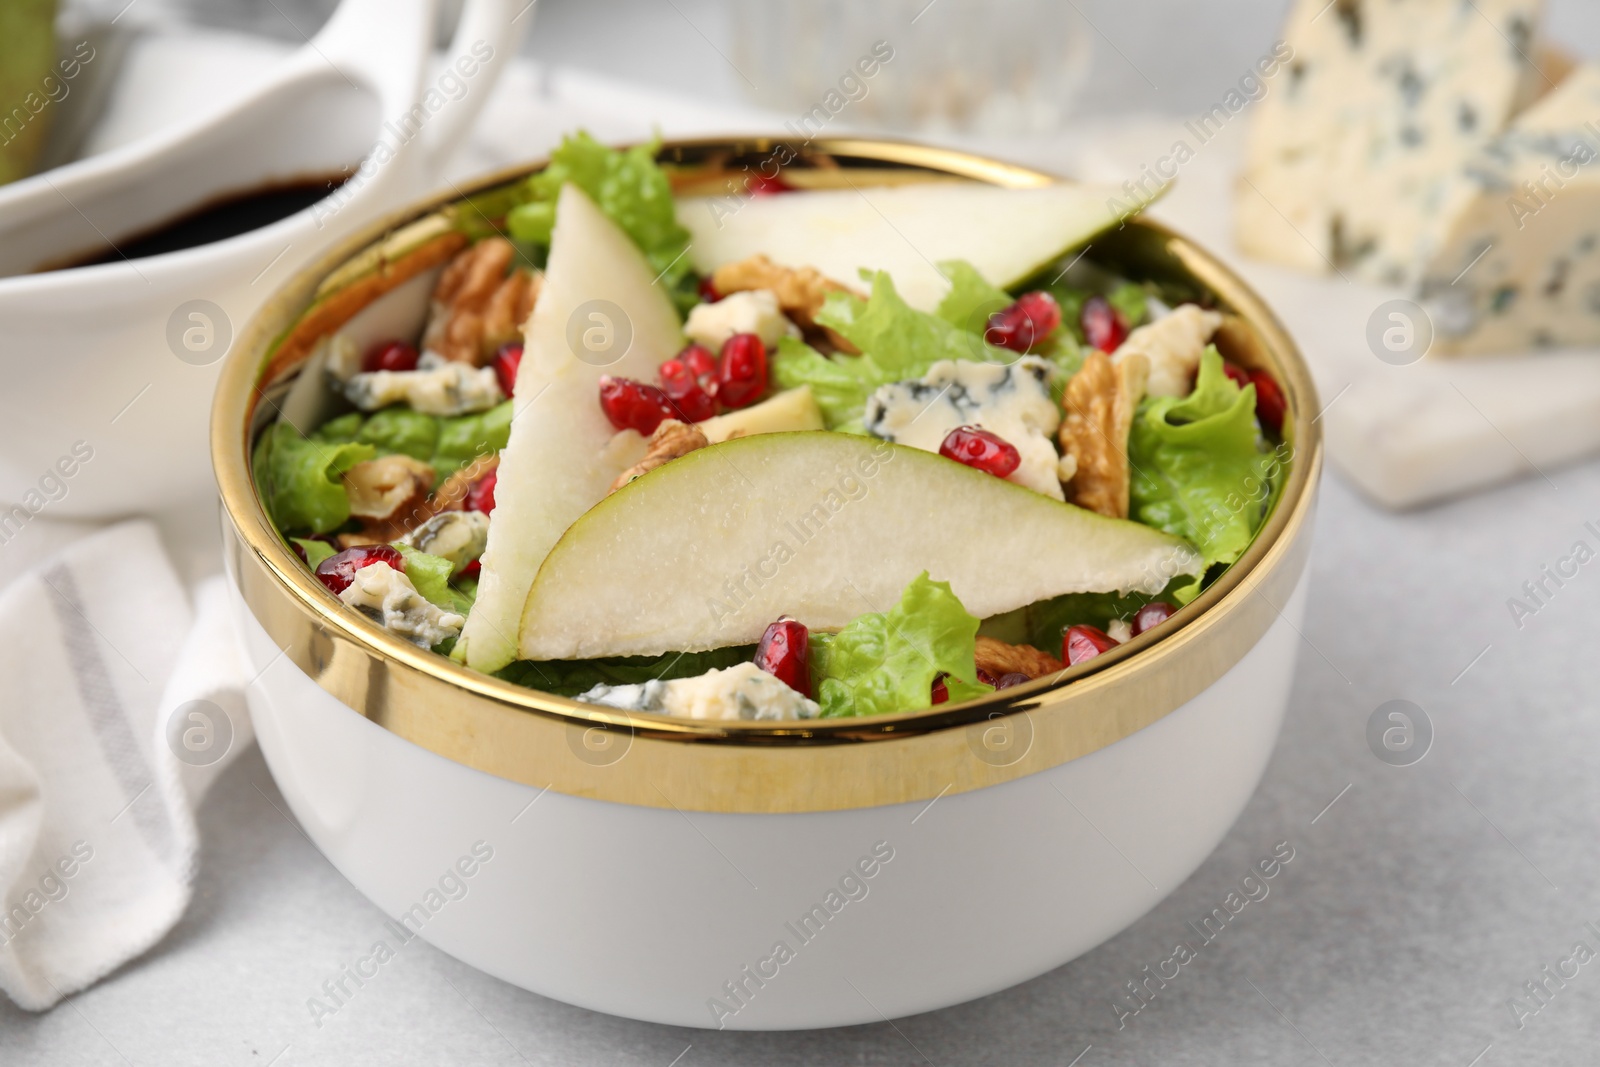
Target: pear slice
1007	234
708	549
557	464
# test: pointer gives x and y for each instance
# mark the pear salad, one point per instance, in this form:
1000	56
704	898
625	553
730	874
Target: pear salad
795	454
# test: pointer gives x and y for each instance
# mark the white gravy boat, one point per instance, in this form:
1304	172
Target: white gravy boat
109	369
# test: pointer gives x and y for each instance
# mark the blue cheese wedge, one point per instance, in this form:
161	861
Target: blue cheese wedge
744	691
1518	266
1010	400
387	596
436	387
1356	144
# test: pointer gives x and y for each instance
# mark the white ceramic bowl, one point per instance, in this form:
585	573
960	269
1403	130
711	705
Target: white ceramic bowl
775	877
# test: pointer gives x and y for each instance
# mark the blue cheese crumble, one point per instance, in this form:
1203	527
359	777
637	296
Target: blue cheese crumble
436	387
1010	400
749	311
458	536
387	597
1173	344
442	388
743	691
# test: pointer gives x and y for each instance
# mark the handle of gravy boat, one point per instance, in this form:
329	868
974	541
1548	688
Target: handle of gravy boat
486	38
424	112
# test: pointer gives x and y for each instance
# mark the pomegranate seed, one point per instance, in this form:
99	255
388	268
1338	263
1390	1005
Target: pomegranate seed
682	386
698	358
1270	405
632	405
471	570
761	185
741	370
941	692
1082	643
1010	679
1024	324
785	653
1102	325
506	362
480	495
980	449
390	355
1236	374
1151	615
338	570
708	292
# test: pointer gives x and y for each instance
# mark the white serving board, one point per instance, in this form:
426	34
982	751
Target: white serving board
1406	435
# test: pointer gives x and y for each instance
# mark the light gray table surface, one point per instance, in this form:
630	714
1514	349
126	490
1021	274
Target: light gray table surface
1420	901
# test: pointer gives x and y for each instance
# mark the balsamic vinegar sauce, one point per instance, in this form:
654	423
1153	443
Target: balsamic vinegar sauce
215	220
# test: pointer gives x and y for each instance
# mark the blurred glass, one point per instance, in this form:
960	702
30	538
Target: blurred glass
1000	67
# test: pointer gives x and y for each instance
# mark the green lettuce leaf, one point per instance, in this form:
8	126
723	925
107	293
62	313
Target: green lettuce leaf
431	576
887	662
1046	621
900	339
316	551
840	385
628	186
1071	301
1130	301
399	429
463	438
476	215
341	430
447	443
971	299
1199	471
299	478
1067	354
897	342
570	677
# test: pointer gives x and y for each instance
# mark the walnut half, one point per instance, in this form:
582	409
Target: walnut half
1100	402
801	291
996	658
450	496
385	494
480	303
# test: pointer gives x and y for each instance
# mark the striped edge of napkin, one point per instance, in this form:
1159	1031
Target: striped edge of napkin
120	702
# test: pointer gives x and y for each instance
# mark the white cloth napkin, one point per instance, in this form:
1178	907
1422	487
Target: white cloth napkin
100	651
